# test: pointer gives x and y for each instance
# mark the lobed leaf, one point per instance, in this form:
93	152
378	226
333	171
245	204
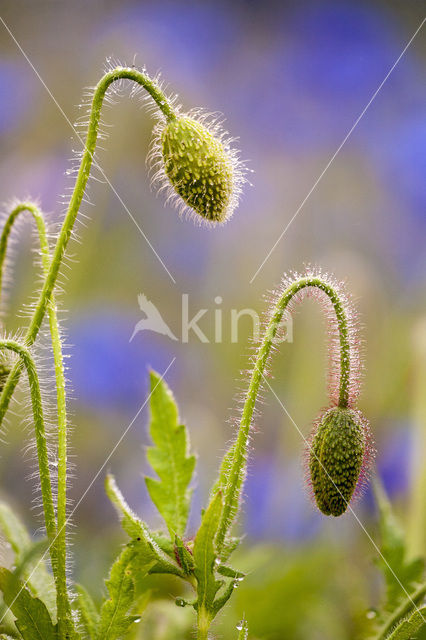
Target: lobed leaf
169	458
115	618
88	612
27	558
32	617
400	572
148	550
407	628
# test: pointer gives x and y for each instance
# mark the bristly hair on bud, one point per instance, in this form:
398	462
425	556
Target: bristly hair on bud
194	162
338	459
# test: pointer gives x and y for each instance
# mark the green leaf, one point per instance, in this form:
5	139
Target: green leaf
407	628
14	531
229	572
169	458
408	605
32	617
89	614
148	549
114	617
402	575
27	558
129	520
205	559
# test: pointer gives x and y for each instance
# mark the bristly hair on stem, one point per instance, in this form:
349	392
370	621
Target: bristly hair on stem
204	172
344	385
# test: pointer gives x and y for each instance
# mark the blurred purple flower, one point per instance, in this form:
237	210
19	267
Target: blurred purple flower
318	73
276	503
107	372
15	94
392	464
192	39
393	461
403	162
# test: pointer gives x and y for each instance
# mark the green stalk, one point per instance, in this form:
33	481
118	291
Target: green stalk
43	460
74	205
235	460
63	603
203	625
46	301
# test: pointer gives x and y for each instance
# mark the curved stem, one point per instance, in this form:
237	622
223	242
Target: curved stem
73	208
235	460
43	460
63	603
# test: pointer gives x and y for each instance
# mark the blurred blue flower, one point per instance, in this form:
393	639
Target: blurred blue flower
15	94
394	460
341	50
107	372
258	492
191	38
392	464
276	503
402	162
321	65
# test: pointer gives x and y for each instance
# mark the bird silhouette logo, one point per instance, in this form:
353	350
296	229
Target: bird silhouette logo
153	320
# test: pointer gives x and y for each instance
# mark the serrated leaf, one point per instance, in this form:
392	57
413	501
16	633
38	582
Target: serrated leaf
32	617
169	458
88	612
148	550
402	575
115	618
229	572
205	558
407	606
407	628
27	558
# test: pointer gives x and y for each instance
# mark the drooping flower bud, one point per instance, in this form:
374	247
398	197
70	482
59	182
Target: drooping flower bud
339	458
200	167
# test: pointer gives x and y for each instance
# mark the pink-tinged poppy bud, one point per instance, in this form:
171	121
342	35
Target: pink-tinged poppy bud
339	457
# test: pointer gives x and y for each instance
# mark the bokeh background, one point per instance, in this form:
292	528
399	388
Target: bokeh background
291	79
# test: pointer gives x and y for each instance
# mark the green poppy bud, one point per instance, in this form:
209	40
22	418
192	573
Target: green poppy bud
339	457
200	167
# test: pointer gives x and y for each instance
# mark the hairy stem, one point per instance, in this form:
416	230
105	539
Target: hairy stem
203	624
43	460
235	460
73	208
63	603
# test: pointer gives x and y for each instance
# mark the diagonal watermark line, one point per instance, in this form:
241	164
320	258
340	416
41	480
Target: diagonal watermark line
347	503
95	477
95	164
339	148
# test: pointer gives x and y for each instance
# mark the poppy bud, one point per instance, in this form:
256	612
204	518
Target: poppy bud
200	167
339	456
